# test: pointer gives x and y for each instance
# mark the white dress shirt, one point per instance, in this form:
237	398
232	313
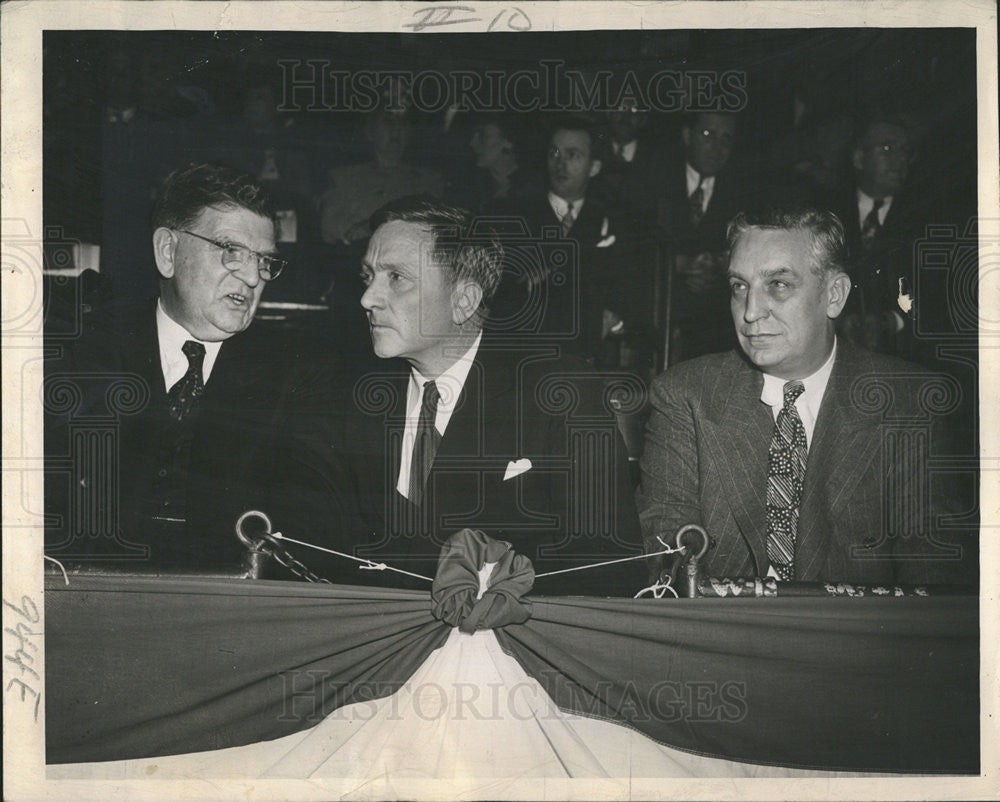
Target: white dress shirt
449	385
625	152
560	205
807	404
172	336
707	185
865	203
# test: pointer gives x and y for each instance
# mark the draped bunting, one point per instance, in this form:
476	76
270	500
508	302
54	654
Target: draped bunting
456	585
140	667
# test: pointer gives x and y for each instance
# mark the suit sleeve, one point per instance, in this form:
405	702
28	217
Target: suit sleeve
669	491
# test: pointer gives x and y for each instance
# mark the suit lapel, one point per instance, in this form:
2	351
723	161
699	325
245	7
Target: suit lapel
141	352
844	443
738	441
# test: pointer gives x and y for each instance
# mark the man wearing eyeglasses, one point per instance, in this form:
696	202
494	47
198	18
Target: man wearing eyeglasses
165	493
883	219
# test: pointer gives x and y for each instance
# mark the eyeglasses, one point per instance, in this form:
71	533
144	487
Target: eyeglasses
235	256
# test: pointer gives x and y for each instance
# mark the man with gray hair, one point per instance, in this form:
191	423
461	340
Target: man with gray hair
798	453
457	428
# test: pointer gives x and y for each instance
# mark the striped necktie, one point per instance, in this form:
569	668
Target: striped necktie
786	470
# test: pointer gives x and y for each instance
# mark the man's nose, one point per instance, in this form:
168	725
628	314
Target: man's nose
754	306
371	297
249	272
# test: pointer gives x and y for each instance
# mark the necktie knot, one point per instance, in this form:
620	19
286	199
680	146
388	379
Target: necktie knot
195	353
431	398
792	391
568	219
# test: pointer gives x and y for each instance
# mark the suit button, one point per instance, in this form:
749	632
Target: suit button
162	472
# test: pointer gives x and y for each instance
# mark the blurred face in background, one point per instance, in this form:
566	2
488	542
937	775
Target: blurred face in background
490	146
389	137
571	163
709	141
882	160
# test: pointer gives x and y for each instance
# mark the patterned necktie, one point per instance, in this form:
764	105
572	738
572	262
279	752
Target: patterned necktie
869	229
568	220
426	443
786	470
191	387
696	201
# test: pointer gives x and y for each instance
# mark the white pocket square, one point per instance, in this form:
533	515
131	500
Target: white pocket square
516	468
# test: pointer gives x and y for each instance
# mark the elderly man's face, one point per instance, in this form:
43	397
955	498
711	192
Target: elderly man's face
571	163
213	301
782	307
709	141
882	161
409	297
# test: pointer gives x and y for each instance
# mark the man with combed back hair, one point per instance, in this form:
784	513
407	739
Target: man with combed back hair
457	428
804	457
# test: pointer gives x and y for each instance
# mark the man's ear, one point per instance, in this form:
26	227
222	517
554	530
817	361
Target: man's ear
838	289
164	248
465	300
595	167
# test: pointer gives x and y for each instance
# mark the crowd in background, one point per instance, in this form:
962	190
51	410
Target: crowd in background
122	111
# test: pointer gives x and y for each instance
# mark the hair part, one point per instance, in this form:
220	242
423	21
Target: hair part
186	193
829	242
468	253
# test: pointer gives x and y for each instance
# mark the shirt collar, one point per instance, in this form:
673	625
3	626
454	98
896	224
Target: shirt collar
171	336
694	177
626	151
451	382
561	205
773	391
866	201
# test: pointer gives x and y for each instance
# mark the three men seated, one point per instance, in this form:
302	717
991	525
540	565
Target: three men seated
803	456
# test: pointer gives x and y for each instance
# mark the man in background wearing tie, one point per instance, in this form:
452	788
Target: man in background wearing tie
704	193
457	427
185	391
883	218
583	303
799	453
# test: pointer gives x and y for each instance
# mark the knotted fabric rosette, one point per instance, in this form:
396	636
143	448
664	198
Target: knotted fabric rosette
455	593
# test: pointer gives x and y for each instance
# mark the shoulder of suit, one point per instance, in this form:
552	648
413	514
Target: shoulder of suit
703	370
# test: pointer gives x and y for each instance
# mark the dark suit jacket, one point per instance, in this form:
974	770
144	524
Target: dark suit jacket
113	478
573	506
702	318
585	279
875	273
866	515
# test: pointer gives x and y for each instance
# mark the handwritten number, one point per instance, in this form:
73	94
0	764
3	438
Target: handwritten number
523	25
436	16
23	609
